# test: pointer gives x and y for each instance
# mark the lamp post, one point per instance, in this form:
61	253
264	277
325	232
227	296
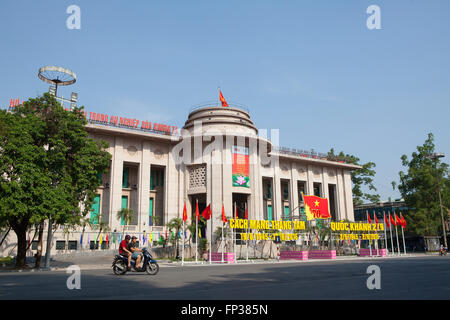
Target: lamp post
435	156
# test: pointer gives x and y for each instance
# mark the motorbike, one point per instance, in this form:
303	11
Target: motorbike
149	265
443	252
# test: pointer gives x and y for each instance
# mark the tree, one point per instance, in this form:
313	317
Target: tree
360	177
175	224
48	168
126	214
418	187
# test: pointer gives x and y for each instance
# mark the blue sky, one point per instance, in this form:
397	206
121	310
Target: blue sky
310	68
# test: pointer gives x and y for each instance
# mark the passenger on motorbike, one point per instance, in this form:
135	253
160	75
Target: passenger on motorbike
132	247
123	249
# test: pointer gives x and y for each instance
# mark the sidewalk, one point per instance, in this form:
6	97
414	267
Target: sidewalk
105	261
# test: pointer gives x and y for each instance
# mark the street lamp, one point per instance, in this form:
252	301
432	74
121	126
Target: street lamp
435	156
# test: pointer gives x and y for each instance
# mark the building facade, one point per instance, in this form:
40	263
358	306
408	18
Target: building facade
219	158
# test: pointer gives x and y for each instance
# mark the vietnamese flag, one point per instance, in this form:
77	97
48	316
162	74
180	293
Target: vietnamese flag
222	99
375	218
246	214
387	221
316	207
197	215
224	219
403	220
184	213
392	220
235	210
368	217
397	220
207	212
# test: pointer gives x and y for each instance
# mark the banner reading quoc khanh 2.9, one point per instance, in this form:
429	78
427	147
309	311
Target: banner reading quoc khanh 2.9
240	167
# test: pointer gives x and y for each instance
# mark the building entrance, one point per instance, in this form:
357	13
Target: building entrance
201	198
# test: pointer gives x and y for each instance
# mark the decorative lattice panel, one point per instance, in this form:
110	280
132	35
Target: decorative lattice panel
197	176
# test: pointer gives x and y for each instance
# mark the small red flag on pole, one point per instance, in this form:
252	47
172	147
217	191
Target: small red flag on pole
387	221
392	220
184	213
224	219
403	220
197	214
375	217
222	99
207	212
368	217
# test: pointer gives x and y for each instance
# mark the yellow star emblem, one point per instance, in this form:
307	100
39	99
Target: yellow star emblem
316	203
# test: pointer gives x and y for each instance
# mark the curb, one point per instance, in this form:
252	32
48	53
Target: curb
168	263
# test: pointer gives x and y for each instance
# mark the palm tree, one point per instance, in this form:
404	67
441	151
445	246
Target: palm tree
127	215
177	224
192	232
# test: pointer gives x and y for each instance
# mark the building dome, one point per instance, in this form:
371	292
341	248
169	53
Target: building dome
233	120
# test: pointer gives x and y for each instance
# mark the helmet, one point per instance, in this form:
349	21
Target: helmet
133	237
127	237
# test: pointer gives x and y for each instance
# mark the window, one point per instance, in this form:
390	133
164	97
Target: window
317	189
95	211
286	192
301	188
124	206
269	191
60	245
34	245
99	176
93	245
269	213
73	245
150	212
125	182
286	213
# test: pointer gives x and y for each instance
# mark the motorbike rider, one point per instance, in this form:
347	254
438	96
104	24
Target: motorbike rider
123	249
132	247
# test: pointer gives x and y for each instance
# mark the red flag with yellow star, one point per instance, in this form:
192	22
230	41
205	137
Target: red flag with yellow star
316	207
222	99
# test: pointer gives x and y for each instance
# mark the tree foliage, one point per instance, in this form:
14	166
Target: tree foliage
419	188
48	167
360	178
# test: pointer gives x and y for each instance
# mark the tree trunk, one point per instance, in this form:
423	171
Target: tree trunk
49	244
39	251
21	246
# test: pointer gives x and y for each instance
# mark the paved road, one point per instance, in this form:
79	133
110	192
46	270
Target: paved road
401	278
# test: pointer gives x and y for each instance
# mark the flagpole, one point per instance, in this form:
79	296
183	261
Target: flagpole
235	236
196	233
396	234
375	240
385	237
222	240
392	239
403	235
404	246
370	241
247	230
182	250
211	233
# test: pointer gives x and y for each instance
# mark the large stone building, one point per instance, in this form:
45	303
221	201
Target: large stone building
155	173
